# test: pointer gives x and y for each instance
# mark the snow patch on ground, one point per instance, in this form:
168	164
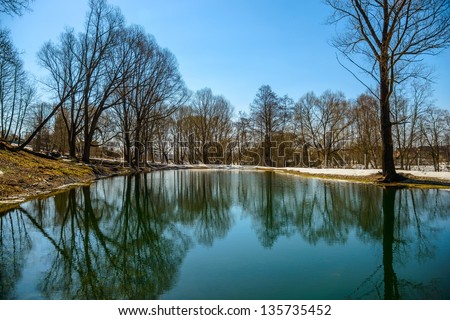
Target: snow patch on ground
430	174
336	172
426	173
367	172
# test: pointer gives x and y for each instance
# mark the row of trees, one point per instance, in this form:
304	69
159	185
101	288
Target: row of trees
326	130
16	91
116	90
111	70
330	130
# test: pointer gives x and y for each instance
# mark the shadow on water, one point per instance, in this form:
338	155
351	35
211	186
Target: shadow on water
127	237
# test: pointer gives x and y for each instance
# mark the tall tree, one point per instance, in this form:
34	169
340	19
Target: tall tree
16	91
211	122
152	90
323	122
66	75
85	72
393	35
367	138
433	128
268	118
102	64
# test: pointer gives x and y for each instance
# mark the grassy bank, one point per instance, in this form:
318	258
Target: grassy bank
24	175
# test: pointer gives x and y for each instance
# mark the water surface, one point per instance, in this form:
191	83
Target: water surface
228	235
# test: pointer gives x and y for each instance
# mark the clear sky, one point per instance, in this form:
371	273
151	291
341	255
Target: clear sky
230	46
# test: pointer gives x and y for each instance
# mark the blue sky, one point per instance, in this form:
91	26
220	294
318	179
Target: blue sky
230	46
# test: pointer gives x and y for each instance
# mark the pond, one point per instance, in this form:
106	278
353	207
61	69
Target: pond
227	234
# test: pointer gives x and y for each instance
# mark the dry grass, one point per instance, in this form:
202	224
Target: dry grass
24	175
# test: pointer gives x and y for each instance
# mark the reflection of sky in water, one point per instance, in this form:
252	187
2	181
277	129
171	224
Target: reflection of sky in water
36	264
291	269
227	235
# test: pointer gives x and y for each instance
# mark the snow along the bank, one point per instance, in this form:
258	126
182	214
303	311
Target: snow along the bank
444	176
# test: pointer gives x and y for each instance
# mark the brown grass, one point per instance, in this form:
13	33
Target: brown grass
24	175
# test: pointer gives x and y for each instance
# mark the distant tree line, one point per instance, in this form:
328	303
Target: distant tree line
118	94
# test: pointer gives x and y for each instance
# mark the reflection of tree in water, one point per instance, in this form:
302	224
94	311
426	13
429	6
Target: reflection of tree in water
15	243
390	278
133	254
414	236
318	211
203	202
265	202
407	234
403	221
415	212
329	211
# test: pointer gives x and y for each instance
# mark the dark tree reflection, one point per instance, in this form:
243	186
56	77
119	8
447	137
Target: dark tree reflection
134	254
15	243
390	278
408	235
271	216
203	202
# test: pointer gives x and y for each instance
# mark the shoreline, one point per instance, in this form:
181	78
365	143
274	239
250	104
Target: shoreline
414	179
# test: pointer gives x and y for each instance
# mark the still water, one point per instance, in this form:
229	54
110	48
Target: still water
228	235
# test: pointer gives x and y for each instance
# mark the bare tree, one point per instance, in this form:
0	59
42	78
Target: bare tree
163	93
367	136
110	66
16	91
211	122
266	113
14	6
151	91
393	35
66	75
101	63
408	109
84	71
323	121
433	128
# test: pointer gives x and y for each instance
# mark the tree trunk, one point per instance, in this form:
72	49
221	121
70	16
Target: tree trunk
267	151
387	161
86	158
127	147
72	143
39	127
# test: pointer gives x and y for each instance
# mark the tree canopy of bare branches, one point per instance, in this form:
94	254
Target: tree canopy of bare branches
16	90
14	6
392	36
